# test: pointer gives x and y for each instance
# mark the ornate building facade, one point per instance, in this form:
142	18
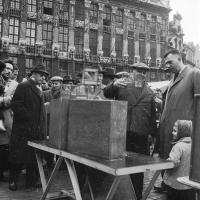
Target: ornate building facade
68	35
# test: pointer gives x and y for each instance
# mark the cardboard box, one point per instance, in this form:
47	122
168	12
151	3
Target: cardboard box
58	127
97	128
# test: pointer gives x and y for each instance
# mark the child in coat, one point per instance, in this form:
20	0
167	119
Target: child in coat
180	155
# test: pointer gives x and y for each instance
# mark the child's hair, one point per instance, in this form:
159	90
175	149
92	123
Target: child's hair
184	128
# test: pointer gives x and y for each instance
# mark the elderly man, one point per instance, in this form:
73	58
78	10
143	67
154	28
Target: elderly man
56	90
179	102
141	118
9	87
28	124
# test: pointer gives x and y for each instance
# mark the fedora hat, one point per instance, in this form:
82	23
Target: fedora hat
2	66
40	69
140	66
109	72
68	78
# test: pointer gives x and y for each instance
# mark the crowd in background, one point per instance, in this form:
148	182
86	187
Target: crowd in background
151	115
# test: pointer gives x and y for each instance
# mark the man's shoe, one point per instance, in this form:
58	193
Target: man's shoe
12	186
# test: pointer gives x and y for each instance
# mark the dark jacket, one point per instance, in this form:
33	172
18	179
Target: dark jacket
28	121
141	117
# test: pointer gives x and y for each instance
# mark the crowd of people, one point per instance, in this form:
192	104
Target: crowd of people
22	113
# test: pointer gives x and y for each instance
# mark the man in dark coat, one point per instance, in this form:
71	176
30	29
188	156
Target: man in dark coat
141	118
28	108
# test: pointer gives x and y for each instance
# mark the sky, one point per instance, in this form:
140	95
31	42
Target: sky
190	12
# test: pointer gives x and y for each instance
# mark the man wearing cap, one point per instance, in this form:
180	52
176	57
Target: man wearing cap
28	124
56	90
141	117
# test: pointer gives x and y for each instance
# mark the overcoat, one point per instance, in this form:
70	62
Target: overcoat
179	105
141	113
28	121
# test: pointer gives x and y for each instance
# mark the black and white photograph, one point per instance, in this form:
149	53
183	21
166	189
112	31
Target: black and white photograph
99	100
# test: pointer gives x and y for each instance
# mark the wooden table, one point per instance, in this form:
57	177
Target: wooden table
186	181
130	164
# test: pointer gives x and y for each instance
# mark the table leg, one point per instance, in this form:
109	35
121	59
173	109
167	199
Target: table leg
55	170
73	178
151	184
113	188
41	170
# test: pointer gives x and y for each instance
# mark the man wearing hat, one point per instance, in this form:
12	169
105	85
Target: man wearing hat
56	90
28	124
141	116
108	75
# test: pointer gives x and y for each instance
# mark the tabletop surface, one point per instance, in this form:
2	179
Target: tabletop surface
131	163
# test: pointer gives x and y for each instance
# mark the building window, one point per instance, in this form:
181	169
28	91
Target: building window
142	50
153	53
63	38
106	44
14	30
119	45
79	40
1	3
93	42
153	75
64	11
31	5
107	16
79	10
47	34
14	4
163	27
153	25
142	23
0	25
30	33
29	64
131	21
119	19
131	48
94	13
48	7
47	64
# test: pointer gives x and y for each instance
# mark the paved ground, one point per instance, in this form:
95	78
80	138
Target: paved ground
61	182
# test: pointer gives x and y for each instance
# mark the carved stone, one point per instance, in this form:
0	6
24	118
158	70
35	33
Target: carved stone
126	12
55	49
114	9
87	3
32	15
22	45
101	6
5	43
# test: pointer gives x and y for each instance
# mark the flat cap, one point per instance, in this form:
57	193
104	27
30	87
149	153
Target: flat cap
56	78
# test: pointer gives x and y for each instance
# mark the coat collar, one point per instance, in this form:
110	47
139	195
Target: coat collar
33	86
179	78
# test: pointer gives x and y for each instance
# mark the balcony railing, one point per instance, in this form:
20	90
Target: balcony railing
30	49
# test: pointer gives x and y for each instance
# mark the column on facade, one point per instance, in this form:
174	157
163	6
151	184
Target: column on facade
71	48
148	47
39	42
86	46
136	37
100	31
158	46
23	22
5	23
55	46
22	40
125	34
113	31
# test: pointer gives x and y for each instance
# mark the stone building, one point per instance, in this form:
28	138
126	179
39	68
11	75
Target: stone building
69	35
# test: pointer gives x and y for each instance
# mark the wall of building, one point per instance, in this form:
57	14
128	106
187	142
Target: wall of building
67	36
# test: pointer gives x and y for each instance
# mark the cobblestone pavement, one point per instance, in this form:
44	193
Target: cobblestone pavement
61	182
